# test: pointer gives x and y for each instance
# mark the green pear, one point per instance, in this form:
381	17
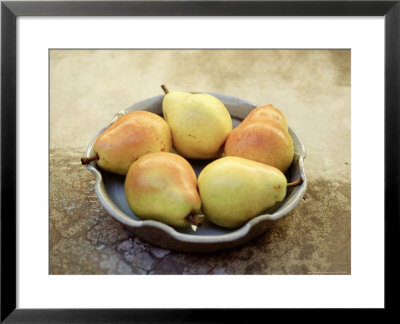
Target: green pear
234	190
200	123
130	137
163	187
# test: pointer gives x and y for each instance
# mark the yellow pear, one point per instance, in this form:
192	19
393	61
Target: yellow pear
130	137
263	137
163	187
200	123
234	190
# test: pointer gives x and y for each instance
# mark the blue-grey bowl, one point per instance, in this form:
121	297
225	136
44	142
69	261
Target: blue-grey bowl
208	237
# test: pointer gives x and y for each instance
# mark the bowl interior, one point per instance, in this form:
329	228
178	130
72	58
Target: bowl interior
113	185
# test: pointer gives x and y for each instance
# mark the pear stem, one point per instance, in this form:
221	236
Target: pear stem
164	87
87	160
192	219
295	183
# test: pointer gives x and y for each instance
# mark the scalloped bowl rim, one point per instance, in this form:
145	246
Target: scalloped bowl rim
236	233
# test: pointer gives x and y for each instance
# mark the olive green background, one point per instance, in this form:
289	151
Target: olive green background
311	87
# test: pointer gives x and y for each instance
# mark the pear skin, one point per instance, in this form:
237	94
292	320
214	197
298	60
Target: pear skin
162	187
234	190
200	123
263	137
130	137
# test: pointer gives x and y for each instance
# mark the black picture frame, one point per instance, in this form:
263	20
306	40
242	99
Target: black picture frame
10	10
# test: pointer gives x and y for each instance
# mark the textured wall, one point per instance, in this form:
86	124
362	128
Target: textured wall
312	89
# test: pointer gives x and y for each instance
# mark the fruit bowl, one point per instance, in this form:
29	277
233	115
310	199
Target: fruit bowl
208	237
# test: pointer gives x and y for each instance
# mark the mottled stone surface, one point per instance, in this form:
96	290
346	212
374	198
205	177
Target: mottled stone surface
312	88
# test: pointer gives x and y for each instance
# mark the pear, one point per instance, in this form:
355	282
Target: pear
234	190
262	136
199	122
163	187
130	137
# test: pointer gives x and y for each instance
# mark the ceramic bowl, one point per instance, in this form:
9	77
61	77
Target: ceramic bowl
208	237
